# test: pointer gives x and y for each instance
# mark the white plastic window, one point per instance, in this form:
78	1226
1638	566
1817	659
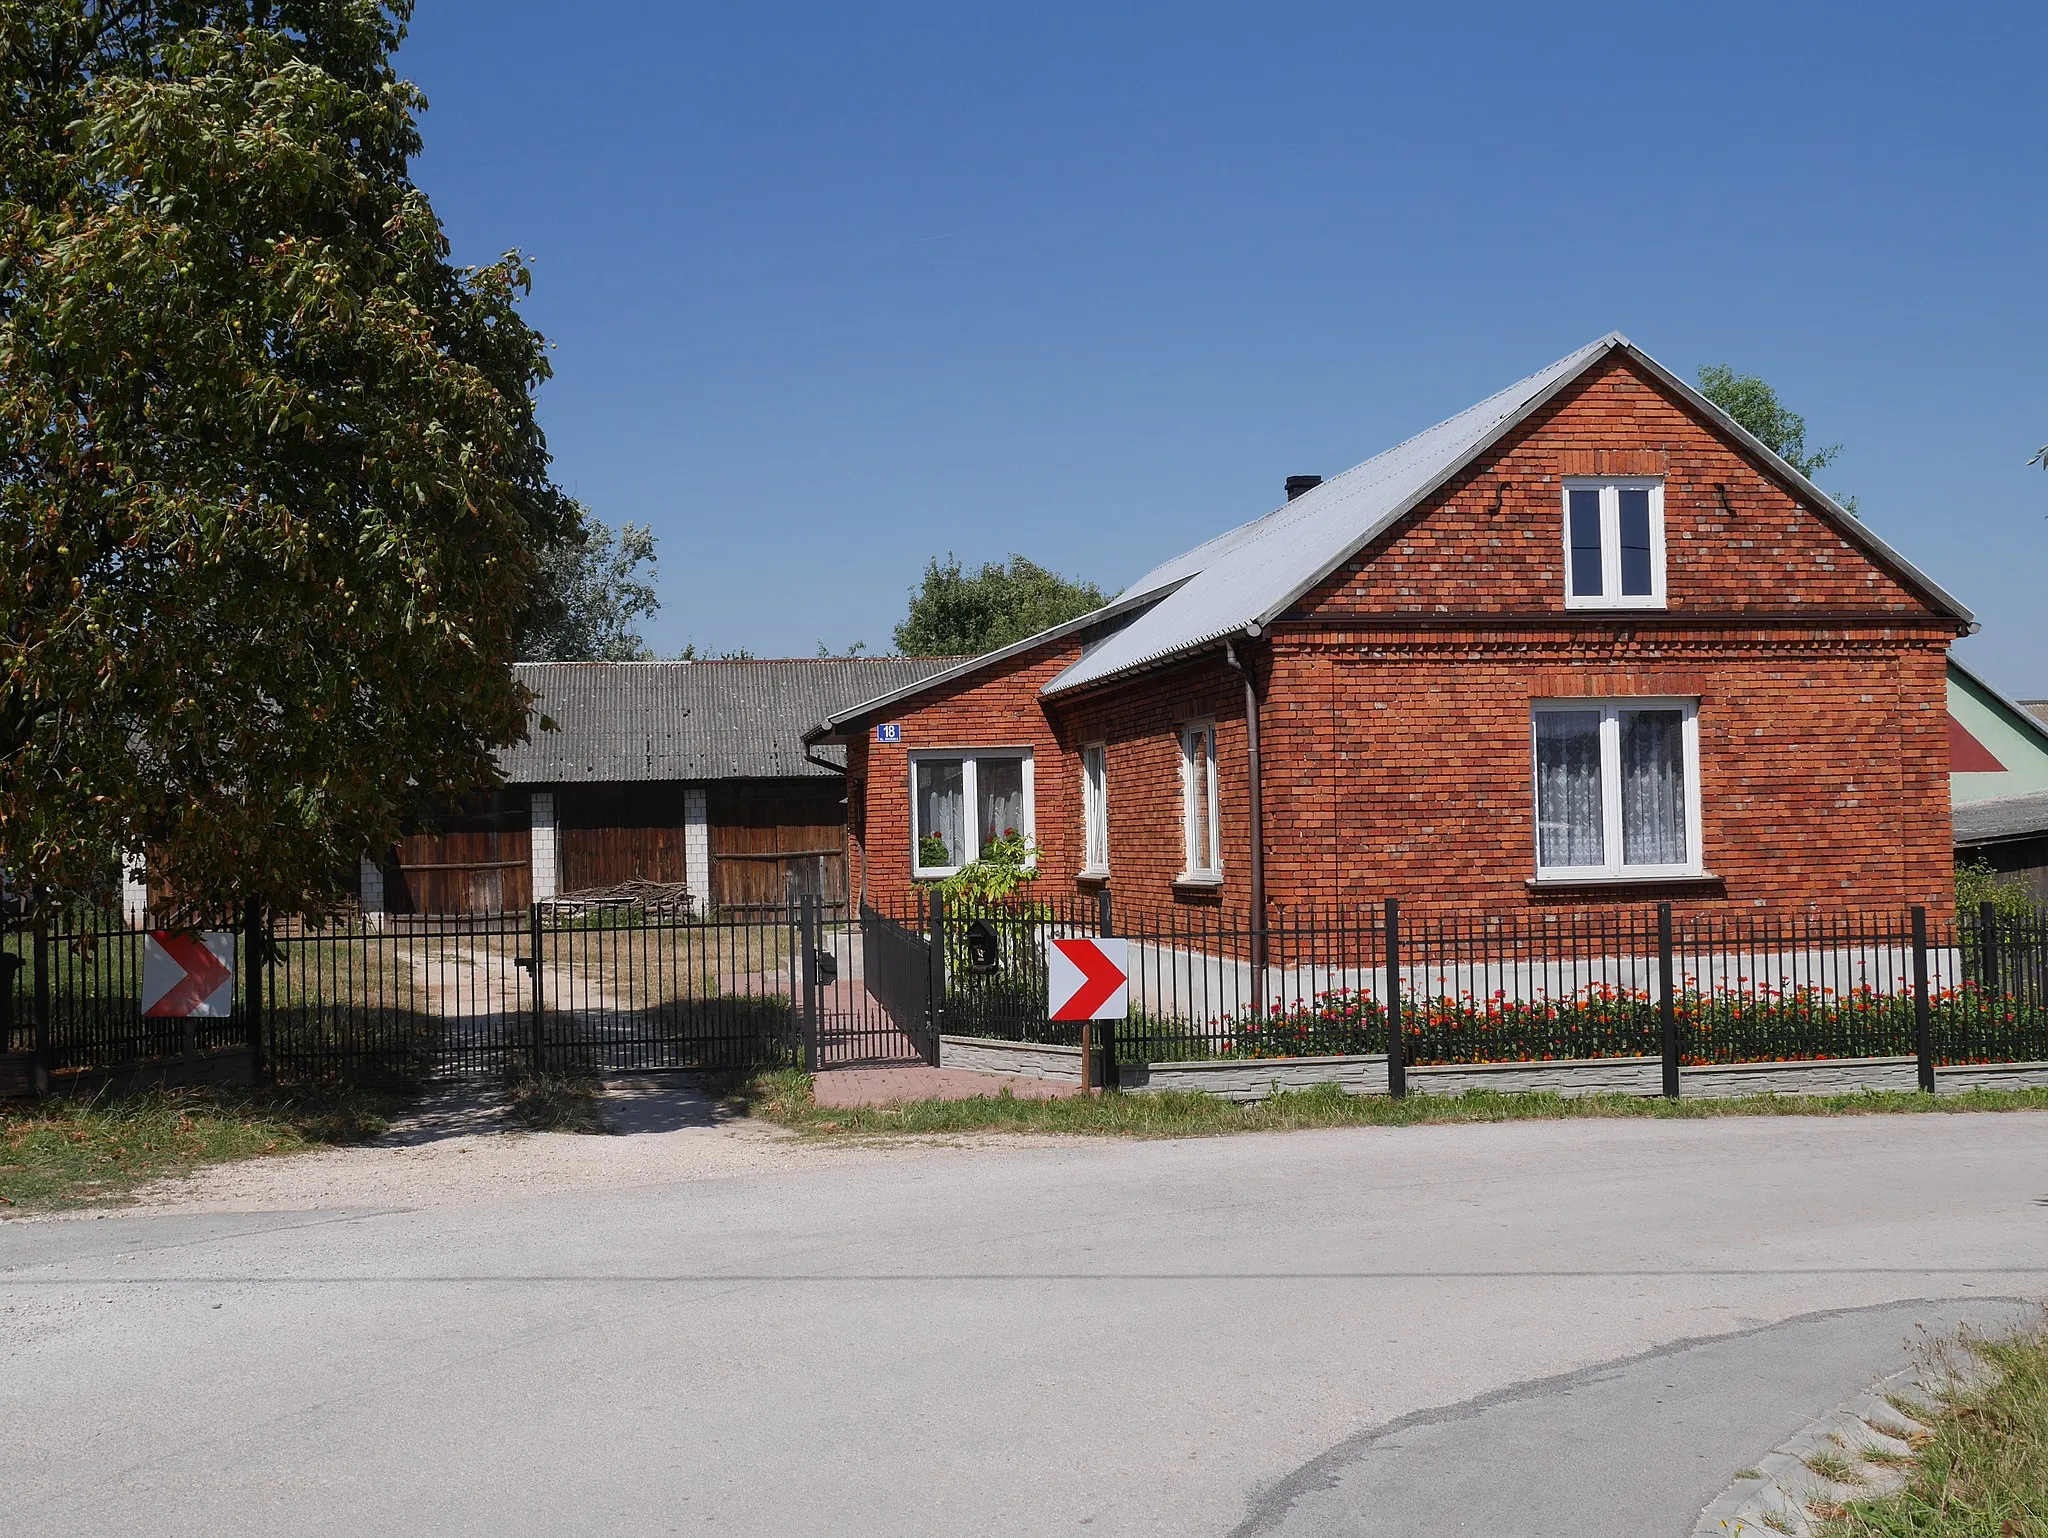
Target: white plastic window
1614	544
960	802
1617	788
1095	810
1198	800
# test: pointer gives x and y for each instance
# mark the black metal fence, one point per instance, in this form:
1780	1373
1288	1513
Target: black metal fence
614	987
1527	985
385	998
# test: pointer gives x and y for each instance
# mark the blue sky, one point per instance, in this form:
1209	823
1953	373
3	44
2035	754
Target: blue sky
834	289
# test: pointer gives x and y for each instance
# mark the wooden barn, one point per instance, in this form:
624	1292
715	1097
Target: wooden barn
691	775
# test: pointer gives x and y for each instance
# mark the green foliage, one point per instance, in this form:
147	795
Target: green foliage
594	595
273	489
1005	868
1755	405
953	613
1977	883
932	853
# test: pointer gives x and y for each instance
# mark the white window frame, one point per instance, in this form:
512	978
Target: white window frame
1611	708
970	798
1095	809
1610	488
1198	763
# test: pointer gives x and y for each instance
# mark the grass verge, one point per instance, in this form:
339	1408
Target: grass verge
66	1153
1983	1470
785	1097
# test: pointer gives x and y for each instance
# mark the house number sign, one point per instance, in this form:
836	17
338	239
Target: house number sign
889	731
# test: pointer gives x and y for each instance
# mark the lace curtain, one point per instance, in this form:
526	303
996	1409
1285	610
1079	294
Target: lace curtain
1568	821
940	805
1653	787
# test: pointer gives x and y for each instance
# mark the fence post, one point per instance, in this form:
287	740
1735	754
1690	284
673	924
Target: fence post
1667	1008
1397	1067
1111	1076
1923	1025
45	1057
540	1019
935	983
807	910
255	969
1987	949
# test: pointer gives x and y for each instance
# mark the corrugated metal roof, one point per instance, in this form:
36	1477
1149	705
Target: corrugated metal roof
692	720
1990	822
1251	574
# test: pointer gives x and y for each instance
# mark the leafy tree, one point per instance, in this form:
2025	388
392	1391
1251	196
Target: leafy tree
1756	406
691	652
272	490
955	614
595	595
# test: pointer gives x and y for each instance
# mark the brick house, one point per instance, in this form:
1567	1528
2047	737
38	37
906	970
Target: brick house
1588	641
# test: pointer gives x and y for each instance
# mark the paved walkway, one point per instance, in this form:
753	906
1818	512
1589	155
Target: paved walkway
849	1087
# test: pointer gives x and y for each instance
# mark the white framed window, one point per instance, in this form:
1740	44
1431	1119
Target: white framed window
962	800
1613	544
1198	802
1617	788
1095	809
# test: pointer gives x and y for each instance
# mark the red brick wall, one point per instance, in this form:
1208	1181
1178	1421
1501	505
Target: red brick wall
1493	540
1823	763
1396	716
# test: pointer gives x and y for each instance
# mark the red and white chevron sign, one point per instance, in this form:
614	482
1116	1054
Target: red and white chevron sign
188	973
1088	980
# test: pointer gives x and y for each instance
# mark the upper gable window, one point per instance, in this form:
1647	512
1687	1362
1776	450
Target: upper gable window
1614	544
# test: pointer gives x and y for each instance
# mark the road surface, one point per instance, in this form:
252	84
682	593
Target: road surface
1451	1329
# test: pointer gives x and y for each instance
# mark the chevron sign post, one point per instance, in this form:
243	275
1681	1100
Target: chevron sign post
1088	980
188	973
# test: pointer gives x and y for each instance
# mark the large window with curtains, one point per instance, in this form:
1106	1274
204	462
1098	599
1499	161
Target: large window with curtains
1617	789
961	802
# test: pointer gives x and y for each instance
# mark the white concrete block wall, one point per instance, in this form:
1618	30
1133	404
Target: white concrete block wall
370	885
134	889
543	848
697	846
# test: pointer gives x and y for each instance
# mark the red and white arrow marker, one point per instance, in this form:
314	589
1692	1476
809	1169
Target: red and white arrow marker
1088	980
188	974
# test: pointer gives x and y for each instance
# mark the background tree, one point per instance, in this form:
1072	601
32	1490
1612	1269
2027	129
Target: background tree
272	491
593	597
955	614
1756	406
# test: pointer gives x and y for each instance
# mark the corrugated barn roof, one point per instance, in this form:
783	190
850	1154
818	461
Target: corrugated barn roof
692	720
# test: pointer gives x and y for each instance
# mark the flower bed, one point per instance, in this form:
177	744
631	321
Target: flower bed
1736	1024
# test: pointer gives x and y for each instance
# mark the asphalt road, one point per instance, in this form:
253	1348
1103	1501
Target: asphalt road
1431	1330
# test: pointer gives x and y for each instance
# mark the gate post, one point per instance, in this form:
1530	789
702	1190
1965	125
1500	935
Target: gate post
1397	1066
255	971
1110	1077
1923	1025
44	1056
935	981
540	1019
1667	1009
807	922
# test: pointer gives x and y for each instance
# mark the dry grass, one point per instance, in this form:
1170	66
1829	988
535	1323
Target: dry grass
77	1153
1982	1470
785	1097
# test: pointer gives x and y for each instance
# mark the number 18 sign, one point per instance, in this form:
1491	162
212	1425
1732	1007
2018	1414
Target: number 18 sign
889	731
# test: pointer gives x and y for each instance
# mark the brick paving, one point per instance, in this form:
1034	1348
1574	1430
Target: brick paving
849	1087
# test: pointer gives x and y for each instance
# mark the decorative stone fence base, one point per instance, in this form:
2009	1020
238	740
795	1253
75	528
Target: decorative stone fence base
1023	1059
1256	1078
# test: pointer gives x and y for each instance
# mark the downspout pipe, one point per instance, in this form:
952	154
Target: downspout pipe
1256	809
